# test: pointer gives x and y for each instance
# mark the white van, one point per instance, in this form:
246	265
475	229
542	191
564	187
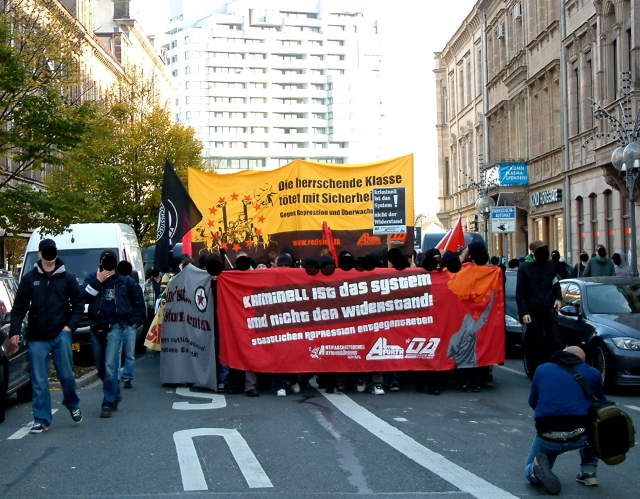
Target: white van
79	248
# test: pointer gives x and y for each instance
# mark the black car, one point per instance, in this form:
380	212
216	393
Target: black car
14	364
513	327
602	316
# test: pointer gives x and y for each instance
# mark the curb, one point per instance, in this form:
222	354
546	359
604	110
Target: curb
81	382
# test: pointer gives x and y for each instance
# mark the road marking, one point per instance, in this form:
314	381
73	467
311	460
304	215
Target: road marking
513	371
191	470
25	429
434	462
634	407
217	401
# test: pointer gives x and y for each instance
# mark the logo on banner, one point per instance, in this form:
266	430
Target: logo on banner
200	298
421	348
167	220
382	351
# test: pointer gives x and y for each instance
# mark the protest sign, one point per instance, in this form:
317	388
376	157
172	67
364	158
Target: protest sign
263	211
187	353
284	320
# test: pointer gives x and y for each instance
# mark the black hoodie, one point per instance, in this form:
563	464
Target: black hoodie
537	287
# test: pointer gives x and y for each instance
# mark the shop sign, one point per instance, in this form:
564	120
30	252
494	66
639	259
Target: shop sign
546	197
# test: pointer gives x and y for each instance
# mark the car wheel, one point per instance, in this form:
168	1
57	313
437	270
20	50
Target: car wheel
601	360
25	394
3	393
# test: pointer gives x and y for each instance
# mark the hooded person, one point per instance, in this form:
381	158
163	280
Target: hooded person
599	265
116	308
539	298
432	260
621	266
562	269
579	267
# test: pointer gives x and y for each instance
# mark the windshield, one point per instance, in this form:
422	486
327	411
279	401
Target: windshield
80	262
614	298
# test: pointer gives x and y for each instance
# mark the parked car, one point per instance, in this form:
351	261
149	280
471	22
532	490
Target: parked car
513	327
14	364
602	316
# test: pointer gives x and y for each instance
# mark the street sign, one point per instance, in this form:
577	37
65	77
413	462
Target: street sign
389	213
503	219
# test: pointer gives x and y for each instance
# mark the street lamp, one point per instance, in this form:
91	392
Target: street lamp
483	206
626	159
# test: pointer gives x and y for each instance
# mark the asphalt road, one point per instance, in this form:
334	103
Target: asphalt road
404	444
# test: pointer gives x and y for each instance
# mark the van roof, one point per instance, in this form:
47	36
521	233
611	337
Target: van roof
92	235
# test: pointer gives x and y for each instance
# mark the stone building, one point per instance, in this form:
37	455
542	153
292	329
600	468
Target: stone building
516	91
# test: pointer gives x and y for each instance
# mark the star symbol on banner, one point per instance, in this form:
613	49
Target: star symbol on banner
221	200
212	211
258	232
249	243
247	198
234	196
214	237
211	223
261	219
224	245
257	206
237	247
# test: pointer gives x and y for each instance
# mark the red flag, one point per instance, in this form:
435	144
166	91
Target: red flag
328	236
453	240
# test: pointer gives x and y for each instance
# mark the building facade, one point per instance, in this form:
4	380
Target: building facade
518	87
265	86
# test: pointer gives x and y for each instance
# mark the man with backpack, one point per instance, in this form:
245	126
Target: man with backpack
561	413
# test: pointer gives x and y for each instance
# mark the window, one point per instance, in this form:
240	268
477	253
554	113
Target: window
315	100
608	221
319	130
595	234
319	145
174	72
174	44
572	296
186	40
580	223
318	72
174	58
626	224
317	86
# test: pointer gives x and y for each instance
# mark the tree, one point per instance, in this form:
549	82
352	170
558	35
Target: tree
39	119
115	174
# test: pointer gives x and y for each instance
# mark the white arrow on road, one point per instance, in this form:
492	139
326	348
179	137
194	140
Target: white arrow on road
191	470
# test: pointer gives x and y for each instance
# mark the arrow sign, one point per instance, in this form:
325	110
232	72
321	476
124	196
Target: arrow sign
503	219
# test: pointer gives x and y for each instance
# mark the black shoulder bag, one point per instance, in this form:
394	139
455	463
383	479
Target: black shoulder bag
611	431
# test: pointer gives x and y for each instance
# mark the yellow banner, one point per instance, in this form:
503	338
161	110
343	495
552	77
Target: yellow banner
253	210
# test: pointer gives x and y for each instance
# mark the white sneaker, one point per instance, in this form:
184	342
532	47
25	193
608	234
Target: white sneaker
281	393
295	388
361	386
377	390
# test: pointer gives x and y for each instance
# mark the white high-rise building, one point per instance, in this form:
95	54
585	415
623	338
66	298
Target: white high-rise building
263	87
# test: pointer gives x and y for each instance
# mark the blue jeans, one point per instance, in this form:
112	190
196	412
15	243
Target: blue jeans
106	353
60	350
588	460
129	347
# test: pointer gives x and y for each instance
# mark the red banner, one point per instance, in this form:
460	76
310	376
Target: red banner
283	320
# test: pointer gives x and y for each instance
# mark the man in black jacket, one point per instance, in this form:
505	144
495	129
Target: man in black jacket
539	298
116	305
55	304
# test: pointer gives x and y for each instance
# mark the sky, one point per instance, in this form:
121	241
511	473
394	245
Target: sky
413	30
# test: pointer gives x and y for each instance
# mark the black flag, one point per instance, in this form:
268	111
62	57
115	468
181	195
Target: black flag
177	215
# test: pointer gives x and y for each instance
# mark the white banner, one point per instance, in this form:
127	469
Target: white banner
188	347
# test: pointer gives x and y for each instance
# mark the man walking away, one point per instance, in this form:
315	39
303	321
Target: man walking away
539	298
115	306
55	304
561	407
